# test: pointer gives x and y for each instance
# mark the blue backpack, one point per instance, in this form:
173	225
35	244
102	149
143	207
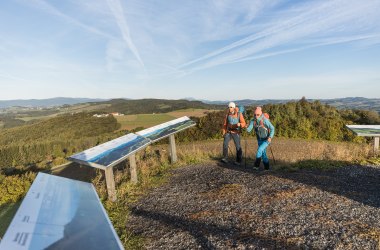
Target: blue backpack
240	110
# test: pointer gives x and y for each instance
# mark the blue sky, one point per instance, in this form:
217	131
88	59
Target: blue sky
215	50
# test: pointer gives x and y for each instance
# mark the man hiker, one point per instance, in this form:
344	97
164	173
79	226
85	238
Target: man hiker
232	125
264	132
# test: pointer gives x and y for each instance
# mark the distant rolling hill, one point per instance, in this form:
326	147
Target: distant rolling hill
129	106
57	101
340	103
354	103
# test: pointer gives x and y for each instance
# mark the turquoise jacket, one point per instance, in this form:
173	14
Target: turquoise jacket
266	122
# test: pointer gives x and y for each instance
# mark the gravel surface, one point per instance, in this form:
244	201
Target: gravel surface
216	206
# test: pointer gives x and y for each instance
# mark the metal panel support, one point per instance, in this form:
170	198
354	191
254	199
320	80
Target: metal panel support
133	168
172	149
376	146
110	181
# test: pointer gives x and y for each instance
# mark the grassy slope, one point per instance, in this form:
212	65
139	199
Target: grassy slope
7	212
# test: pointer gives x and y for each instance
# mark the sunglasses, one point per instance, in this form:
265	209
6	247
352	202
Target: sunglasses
257	114
231	107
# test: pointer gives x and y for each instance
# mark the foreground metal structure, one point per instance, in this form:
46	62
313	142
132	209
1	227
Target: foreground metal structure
109	154
60	213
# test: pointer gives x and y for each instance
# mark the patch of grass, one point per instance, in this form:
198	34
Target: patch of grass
31	118
313	164
371	161
7	211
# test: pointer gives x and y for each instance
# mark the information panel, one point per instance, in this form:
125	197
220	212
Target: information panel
112	152
165	129
365	130
60	213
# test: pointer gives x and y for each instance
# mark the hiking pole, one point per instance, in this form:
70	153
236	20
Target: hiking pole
245	152
229	150
274	160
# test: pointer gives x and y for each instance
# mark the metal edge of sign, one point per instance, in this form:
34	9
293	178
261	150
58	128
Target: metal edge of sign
152	141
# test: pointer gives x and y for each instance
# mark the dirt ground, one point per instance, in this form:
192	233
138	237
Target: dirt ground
221	206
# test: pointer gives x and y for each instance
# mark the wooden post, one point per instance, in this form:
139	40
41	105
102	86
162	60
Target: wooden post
376	146
110	181
172	149
133	168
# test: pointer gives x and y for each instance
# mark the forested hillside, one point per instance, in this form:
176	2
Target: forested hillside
301	119
56	137
148	106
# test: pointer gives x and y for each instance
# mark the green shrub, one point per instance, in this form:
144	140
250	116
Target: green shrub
13	188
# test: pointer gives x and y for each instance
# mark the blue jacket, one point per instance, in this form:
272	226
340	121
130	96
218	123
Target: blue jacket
266	123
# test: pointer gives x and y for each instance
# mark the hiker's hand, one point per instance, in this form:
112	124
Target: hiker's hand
239	124
269	139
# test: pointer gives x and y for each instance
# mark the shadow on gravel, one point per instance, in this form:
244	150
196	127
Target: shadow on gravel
358	183
201	231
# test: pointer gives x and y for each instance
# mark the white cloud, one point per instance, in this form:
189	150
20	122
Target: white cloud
118	13
326	19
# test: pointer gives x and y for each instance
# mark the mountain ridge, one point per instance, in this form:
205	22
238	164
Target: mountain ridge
340	103
49	102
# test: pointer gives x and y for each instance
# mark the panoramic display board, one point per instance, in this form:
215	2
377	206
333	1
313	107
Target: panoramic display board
60	213
112	152
365	130
165	129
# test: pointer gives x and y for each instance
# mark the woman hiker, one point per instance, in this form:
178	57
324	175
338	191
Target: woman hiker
264	132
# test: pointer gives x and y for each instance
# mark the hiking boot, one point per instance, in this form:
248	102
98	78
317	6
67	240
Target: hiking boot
224	160
257	163
266	166
237	163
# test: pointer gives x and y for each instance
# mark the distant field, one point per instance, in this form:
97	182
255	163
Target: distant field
72	109
1	124
30	118
142	120
189	112
148	120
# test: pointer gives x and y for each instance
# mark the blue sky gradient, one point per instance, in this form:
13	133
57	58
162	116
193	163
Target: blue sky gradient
215	50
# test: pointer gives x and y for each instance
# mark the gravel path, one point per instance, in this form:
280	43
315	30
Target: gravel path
215	206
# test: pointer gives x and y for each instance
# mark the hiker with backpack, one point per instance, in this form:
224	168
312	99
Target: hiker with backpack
232	125
264	133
